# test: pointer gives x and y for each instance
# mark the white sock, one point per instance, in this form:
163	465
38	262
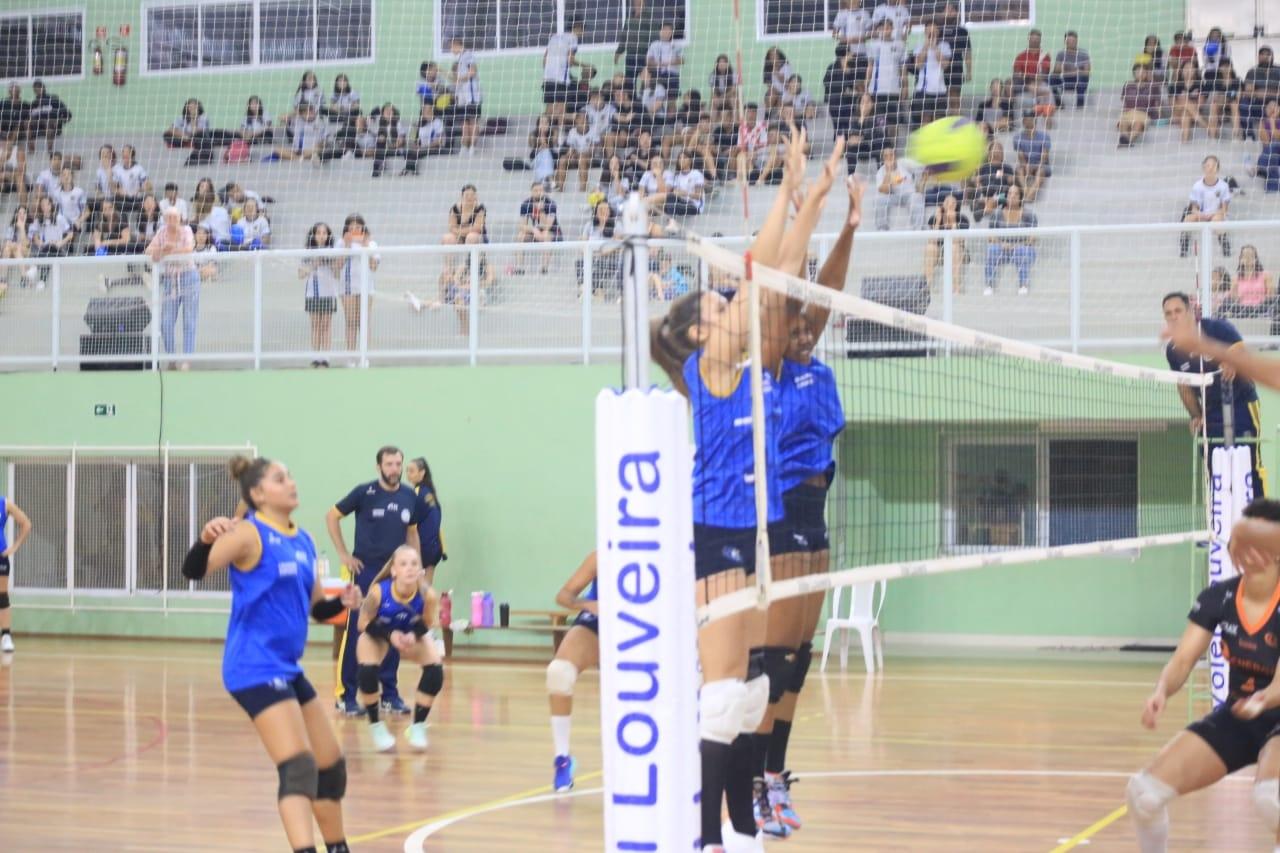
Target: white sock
1153	837
560	734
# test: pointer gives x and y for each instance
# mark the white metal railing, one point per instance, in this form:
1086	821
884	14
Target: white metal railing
1091	288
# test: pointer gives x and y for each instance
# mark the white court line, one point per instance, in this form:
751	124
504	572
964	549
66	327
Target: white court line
416	841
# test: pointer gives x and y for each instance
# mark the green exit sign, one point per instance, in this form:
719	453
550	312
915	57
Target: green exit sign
104	410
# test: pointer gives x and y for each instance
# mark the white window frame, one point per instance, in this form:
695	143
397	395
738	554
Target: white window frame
762	36
441	53
31	14
1038	438
255	49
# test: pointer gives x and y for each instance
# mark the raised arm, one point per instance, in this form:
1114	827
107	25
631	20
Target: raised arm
23	523
223	542
569	596
835	270
1236	356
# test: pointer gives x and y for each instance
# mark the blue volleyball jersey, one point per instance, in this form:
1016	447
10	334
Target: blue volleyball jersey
395	614
812	417
430	517
4	521
382	517
270	607
724	464
586	617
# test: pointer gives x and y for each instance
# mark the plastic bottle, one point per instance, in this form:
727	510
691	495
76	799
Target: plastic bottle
488	609
446	609
477	609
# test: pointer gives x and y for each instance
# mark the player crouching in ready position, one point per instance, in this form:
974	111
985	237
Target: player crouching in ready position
399	610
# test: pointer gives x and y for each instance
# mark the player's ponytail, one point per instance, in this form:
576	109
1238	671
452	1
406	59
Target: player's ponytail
248	473
421	462
670	344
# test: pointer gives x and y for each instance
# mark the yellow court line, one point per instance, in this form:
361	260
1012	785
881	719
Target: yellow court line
466	810
1090	831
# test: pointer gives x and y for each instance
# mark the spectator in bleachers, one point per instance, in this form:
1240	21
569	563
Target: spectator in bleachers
896	13
1030	63
896	187
151	219
46	183
111	233
255	228
558	60
1220	289
467	220
686	192
851	29
638	158
1253	292
638	32
686	114
774	74
700	143
624	123
344	102
653	99
655	183
884	79
614	183
579	149
722	85
73	202
234	198
17	243
994	111
1223	92
355	234
664	59
960	66
600	113
172	199
102	177
1034	150
320	299
1183	50
766	163
1215	50
308	135
129	181
391	136
798	99
1188	99
428	139
1261	84
430	86
179	283
863	138
307	94
218	221
188	127
52	233
1268	132
1071	69
46	116
539	223
13	116
202	200
1141	103
467	95
13	170
256	125
844	85
929	64
1155	58
668	281
1209	202
948	217
1019	251
989	187
544	148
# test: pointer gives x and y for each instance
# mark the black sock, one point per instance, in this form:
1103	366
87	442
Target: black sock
759	753
304	850
338	846
778	746
715	767
4	631
739	793
372	710
420	713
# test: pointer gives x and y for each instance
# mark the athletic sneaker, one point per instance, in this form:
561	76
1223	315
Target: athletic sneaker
780	799
736	842
350	707
383	739
416	735
766	820
6	643
565	765
395	705
414	302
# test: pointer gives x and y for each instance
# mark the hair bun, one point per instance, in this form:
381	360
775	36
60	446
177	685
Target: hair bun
238	465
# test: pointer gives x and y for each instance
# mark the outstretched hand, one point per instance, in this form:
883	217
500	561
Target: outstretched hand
351	597
794	167
827	177
855	187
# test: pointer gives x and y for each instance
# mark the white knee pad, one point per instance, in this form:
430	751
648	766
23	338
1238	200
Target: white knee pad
720	708
1147	797
561	676
757	703
1266	801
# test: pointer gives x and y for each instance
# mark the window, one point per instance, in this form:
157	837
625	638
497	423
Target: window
202	34
42	44
488	26
809	18
1031	490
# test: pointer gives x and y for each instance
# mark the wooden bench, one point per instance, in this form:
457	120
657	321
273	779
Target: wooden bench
554	622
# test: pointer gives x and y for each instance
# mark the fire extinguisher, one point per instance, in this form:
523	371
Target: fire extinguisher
97	59
119	65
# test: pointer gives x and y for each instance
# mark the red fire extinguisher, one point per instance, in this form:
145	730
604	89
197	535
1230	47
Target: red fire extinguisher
119	65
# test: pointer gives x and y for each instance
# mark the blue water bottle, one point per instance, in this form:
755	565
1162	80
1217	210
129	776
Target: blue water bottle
488	610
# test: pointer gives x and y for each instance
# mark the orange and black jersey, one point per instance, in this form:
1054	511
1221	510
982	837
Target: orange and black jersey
1252	650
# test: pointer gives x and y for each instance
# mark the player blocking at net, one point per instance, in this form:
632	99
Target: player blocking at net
701	345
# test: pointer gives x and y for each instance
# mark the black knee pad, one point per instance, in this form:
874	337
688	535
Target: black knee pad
4	601
298	776
804	656
432	681
755	663
331	782
779	663
367	678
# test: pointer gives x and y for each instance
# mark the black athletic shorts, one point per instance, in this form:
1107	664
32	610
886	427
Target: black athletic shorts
321	304
1237	742
260	697
805	523
4	567
588	621
468	111
557	93
720	549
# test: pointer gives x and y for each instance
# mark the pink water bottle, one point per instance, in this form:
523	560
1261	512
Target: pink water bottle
477	609
488	609
446	609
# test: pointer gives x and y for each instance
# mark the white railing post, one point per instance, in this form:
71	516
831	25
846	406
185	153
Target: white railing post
948	276
635	294
71	527
1206	270
1074	296
193	523
257	311
156	312
363	255
473	307
55	322
586	295
164	529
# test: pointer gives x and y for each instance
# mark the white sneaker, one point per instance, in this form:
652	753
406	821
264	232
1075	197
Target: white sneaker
32	274
416	735
6	643
1022	291
736	842
986	291
383	740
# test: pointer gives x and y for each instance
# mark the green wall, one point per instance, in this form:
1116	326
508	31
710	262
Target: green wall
1112	30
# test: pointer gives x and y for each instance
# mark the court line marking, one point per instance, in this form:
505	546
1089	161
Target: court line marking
466	811
1083	836
416	841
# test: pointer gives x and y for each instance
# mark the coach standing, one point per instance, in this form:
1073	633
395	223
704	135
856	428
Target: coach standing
386	518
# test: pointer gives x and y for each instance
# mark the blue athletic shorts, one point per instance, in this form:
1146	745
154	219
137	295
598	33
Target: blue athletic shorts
260	697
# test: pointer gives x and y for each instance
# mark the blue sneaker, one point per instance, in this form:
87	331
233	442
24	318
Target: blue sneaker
780	800
351	708
395	705
766	821
565	765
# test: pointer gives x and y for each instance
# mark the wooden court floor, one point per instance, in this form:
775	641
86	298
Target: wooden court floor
123	745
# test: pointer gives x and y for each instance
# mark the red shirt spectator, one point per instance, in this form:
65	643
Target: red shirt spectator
1181	51
1030	62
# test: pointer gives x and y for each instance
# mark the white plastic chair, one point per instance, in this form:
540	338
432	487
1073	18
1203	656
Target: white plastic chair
863	617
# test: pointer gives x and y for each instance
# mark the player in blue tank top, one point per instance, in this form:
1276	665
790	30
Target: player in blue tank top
398	612
701	345
578	652
9	509
272	563
430	515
